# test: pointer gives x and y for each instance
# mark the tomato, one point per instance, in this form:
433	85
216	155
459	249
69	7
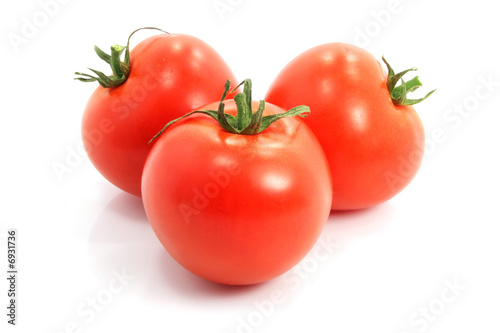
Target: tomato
167	76
374	146
232	208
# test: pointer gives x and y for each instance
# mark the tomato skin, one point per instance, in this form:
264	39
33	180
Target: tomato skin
374	147
237	209
170	75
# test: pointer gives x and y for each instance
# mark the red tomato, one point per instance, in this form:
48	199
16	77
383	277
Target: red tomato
170	75
237	209
373	146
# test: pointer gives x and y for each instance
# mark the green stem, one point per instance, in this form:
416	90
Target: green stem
399	93
120	69
246	121
115	62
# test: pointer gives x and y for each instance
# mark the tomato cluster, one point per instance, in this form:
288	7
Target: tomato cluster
238	191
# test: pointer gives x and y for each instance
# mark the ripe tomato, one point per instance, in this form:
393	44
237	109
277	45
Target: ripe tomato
232	208
165	77
374	147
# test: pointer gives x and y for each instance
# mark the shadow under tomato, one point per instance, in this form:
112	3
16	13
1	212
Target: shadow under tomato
194	287
122	239
120	236
342	226
357	223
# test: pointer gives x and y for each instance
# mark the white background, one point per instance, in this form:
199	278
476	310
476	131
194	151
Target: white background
385	267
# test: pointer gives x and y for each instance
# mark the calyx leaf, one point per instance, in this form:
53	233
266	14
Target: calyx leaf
120	69
399	93
246	122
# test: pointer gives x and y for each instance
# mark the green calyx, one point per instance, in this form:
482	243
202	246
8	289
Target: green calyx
246	122
399	93
120	69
